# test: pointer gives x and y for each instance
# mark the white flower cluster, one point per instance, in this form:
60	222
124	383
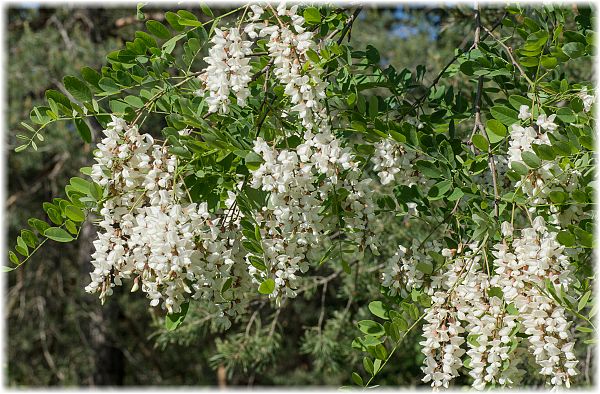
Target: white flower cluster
443	335
173	249
491	329
522	138
288	44
288	48
294	222
394	163
403	271
536	257
487	309
538	183
443	329
228	70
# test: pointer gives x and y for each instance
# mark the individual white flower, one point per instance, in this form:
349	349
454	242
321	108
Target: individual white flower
587	99
524	113
547	123
506	229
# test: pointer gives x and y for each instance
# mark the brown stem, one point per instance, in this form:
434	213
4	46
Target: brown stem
478	123
509	52
348	27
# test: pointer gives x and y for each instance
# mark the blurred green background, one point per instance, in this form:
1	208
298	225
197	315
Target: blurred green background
59	335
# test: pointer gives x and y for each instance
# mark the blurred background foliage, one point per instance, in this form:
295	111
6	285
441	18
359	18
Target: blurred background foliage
59	335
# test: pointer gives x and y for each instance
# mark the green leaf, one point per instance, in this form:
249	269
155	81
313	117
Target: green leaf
565	238
516	101
543	151
584	300
368	365
253	160
91	76
59	98
536	40
468	67
81	185
54	216
13	258
174	320
379	309
558	196
456	194
227	285
573	49
438	190
29	238
257	263
371	327
58	234
134	101
74	213
71	227
531	159
472	340
495	292
22	247
139	14
495	127
173	20
512	309
206	10
480	142
38	224
566	115
357	379
519	168
83	130
190	22
312	16
267	287
549	62
158	29
77	88
108	85
504	114
425	267
429	169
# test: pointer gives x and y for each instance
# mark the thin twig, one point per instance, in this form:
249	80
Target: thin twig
509	52
478	123
348	27
322	315
451	62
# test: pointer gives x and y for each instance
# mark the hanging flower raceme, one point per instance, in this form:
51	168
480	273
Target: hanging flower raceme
535	260
228	71
173	249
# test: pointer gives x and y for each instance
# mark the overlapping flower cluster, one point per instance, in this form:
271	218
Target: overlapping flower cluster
299	183
486	309
534	259
172	249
